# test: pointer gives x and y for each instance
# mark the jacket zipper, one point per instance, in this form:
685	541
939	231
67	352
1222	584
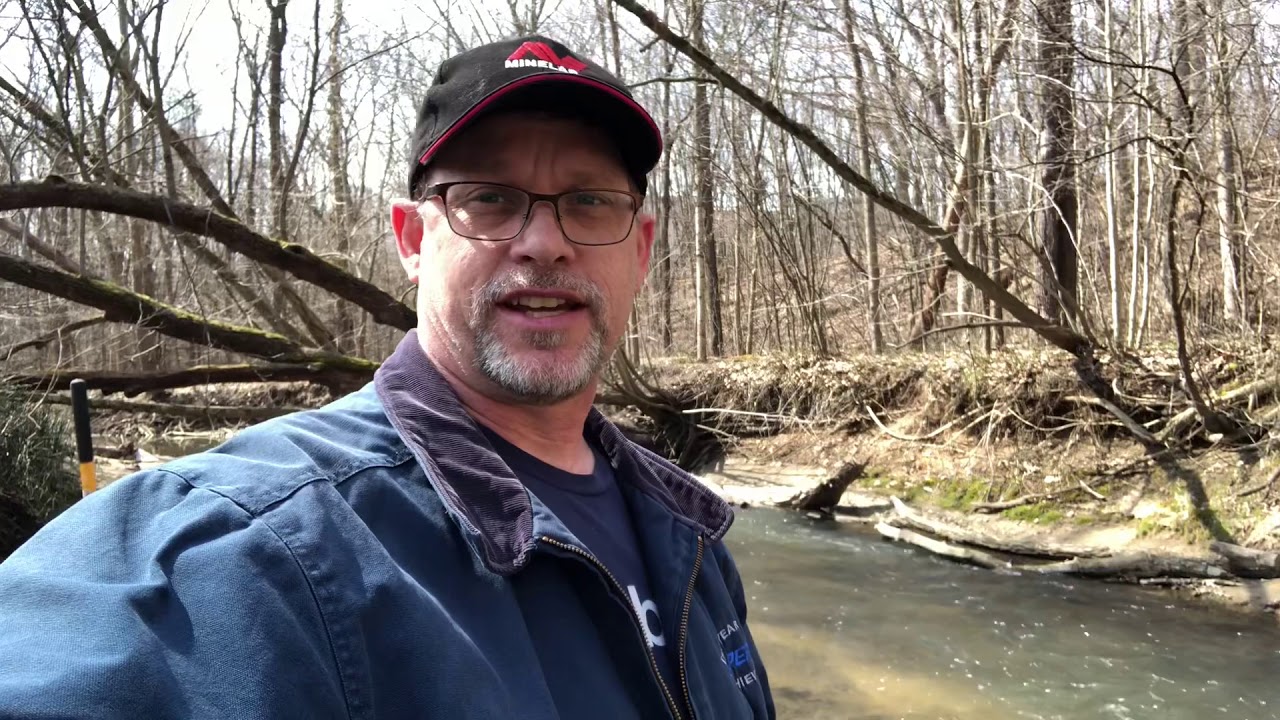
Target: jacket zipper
684	628
653	662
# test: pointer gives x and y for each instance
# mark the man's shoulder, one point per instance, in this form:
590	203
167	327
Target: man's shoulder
681	491
270	461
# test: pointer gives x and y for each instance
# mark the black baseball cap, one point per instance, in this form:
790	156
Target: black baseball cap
532	73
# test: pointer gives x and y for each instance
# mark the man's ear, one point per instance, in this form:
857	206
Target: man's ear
644	245
407	224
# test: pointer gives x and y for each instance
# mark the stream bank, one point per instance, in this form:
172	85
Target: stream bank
1010	445
1133	508
1007	444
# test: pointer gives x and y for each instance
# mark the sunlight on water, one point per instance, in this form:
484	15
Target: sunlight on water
854	627
816	679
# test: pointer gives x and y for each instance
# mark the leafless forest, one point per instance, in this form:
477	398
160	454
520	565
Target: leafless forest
206	184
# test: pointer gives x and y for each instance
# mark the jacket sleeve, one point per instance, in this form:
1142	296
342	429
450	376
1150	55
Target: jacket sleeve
152	598
733	581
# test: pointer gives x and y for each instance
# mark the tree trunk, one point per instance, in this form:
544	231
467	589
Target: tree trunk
337	157
140	260
704	180
1113	219
663	245
874	306
1229	250
298	260
275	101
1058	229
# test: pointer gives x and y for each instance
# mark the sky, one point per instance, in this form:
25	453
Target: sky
208	66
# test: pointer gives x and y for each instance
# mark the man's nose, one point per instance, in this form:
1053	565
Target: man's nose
542	240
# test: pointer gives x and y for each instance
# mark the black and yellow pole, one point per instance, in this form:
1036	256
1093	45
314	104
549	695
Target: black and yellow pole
84	438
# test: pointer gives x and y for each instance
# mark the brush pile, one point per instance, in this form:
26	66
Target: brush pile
1016	393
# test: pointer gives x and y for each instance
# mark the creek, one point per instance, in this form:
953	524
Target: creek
853	626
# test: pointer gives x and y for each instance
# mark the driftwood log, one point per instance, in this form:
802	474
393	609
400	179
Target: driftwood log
827	494
1247	562
947	550
909	518
910	525
1135	566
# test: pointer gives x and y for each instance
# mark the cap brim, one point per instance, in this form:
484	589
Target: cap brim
632	128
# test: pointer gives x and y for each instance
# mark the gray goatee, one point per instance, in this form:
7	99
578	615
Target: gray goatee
539	381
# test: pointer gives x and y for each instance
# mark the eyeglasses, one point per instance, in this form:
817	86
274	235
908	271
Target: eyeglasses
489	211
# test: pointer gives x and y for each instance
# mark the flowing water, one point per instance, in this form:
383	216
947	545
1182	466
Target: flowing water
851	626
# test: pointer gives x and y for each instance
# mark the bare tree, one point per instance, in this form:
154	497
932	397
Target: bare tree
1059	297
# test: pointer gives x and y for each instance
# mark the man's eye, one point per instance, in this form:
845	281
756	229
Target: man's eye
588	199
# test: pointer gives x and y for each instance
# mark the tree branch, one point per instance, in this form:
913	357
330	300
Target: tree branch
125	306
153	109
1059	336
292	258
41	248
52	336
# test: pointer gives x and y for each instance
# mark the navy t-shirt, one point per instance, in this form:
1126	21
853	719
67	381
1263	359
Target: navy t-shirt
593	509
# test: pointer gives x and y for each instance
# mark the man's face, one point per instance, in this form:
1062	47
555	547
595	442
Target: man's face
536	316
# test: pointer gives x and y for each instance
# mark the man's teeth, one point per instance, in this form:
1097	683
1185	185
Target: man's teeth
540	302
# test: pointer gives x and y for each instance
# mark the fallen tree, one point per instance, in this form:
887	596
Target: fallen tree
947	550
909	518
1135	566
292	258
125	306
205	413
948	540
1247	562
321	372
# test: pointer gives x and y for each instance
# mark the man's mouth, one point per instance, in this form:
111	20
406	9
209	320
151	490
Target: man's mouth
540	306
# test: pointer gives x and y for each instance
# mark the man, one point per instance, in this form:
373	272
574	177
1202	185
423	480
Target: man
466	537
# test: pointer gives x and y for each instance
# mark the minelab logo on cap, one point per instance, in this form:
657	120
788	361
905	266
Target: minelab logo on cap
544	57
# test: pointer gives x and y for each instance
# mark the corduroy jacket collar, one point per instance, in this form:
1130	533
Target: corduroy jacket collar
478	488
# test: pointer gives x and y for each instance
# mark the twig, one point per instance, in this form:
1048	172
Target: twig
1264	485
912	438
992	507
962	326
766	416
650	81
1085	486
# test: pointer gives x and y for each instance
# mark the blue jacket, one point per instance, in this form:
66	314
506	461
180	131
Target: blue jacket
371	559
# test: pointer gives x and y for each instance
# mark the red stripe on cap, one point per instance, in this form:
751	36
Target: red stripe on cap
462	122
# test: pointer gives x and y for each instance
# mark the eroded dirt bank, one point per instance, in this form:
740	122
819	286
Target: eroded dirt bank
1011	447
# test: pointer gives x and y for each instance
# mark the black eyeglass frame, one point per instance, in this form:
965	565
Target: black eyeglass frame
441	190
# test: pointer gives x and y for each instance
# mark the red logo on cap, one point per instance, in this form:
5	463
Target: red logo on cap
540	51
